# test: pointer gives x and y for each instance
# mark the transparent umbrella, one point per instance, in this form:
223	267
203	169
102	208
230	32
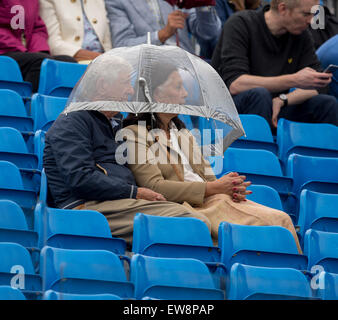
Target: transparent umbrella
125	80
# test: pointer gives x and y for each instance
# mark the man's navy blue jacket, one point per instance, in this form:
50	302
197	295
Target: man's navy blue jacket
76	146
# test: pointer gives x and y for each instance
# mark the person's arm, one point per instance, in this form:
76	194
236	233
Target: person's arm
39	40
57	45
204	23
73	155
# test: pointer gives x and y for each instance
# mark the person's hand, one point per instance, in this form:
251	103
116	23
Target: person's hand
309	79
176	20
83	54
232	184
150	195
277	105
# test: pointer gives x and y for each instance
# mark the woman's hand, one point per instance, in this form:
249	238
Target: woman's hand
232	184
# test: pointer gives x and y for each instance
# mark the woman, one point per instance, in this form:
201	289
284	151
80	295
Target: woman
23	37
190	180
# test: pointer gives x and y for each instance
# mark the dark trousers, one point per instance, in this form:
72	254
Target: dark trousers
319	109
30	64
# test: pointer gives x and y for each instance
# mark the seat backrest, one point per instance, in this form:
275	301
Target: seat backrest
58	78
234	238
10	70
13	255
258	283
266	196
11	140
57	264
10	177
45	110
315	206
187	121
321	249
9	293
329	281
256	128
53	295
315	138
12	216
251	161
150	230
11	104
304	169
149	273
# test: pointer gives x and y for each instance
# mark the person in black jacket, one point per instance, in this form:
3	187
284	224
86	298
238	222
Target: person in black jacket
263	54
83	166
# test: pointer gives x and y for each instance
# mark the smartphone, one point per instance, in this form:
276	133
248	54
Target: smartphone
331	68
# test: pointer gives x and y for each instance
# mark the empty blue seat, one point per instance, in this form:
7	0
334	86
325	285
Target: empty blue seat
313	173
11	77
45	110
53	295
9	293
258	134
173	237
330	286
75	229
318	211
16	270
261	283
266	196
13	226
84	272
266	246
13	112
322	249
311	139
58	78
172	279
13	148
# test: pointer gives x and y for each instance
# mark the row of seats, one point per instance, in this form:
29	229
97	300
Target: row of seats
97	272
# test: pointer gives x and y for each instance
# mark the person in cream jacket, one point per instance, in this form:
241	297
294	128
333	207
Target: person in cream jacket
78	28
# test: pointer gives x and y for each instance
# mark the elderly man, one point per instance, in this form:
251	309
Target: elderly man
81	155
263	54
131	20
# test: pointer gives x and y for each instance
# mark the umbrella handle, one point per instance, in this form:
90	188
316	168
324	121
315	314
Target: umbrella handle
144	84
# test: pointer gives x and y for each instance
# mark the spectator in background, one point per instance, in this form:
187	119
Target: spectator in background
23	37
78	28
328	54
262	54
130	22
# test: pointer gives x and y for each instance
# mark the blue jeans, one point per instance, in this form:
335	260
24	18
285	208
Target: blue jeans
319	109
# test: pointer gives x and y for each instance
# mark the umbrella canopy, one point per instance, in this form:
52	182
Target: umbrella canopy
128	80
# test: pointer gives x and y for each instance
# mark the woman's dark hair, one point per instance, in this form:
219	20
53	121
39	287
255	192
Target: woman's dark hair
151	123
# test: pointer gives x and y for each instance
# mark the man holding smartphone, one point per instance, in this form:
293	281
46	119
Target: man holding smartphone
263	54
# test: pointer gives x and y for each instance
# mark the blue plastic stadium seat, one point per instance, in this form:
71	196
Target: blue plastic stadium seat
187	121
261	283
39	145
318	211
266	196
75	229
329	281
261	167
11	77
53	295
313	173
258	134
311	139
58	78
13	112
13	226
322	249
9	293
15	260
266	246
45	110
172	279
84	272
173	237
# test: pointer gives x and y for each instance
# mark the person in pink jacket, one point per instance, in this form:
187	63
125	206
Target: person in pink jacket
23	37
